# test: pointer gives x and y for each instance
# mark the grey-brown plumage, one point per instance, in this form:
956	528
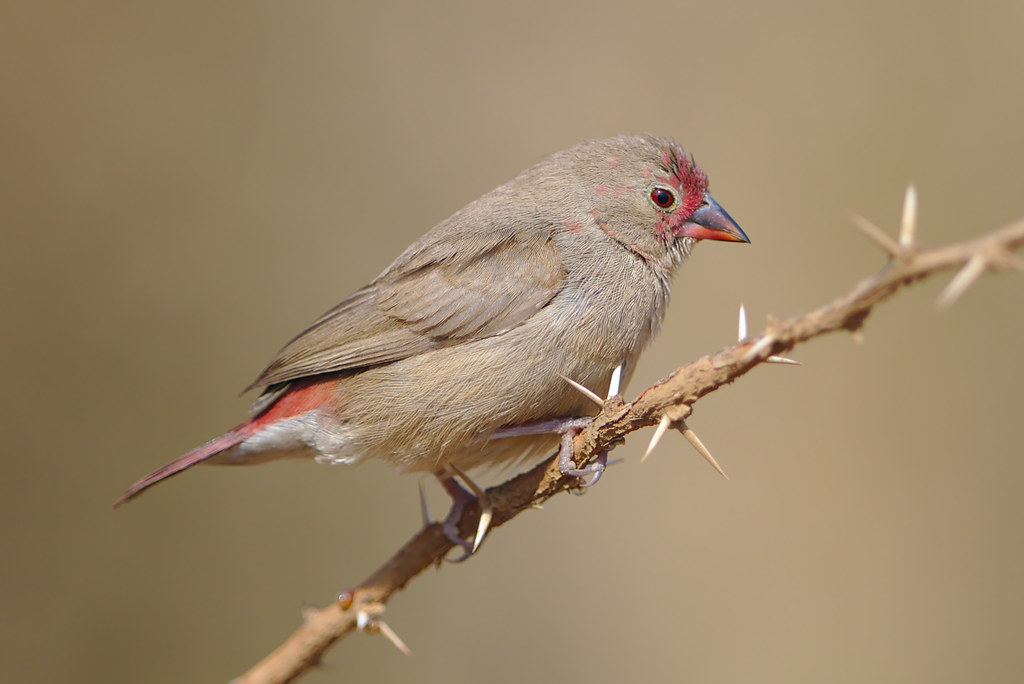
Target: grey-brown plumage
563	271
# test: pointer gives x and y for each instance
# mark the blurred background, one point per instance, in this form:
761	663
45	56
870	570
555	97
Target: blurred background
187	185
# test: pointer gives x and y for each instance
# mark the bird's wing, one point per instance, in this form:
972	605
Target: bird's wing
438	293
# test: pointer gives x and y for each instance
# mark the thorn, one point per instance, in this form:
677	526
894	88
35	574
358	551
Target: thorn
876	235
584	391
742	335
486	515
759	347
486	510
390	635
782	360
613	386
663	426
614	461
908	222
971	271
424	506
692	437
537	506
365	623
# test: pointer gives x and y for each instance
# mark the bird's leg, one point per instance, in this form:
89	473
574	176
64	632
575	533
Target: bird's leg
556	426
568	428
461	497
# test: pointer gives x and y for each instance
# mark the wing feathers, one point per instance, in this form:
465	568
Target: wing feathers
435	295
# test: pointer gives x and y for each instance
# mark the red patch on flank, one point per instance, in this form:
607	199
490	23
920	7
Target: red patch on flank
613	162
303	396
617	191
573	226
601	189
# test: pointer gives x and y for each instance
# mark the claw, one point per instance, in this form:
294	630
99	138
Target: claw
460	497
567	466
450	525
567	428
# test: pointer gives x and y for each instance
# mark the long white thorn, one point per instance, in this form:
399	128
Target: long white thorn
371	625
742	336
693	439
390	635
486	511
908	222
659	432
964	278
876	235
592	396
613	385
486	515
758	348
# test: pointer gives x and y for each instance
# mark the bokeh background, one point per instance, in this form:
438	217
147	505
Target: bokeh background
185	185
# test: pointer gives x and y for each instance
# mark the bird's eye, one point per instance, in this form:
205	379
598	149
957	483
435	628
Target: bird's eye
663	198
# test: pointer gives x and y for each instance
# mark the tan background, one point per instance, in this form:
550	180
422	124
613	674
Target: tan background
185	187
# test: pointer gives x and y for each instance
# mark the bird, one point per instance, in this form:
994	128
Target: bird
457	355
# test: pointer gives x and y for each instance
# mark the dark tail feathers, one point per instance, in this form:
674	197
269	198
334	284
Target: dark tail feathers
197	455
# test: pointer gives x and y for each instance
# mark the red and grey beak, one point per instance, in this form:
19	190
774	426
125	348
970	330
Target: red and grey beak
712	222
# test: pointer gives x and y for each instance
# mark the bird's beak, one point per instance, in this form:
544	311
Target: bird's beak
712	222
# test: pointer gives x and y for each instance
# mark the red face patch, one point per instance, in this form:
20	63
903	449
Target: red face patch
683	174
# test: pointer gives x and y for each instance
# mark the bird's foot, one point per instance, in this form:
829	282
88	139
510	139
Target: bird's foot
568	428
567	466
461	497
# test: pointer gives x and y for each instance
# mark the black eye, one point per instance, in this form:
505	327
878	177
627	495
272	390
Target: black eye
663	198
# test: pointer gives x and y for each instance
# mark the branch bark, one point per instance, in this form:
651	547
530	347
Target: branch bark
672	398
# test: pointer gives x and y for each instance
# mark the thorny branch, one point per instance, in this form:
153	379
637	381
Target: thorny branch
666	404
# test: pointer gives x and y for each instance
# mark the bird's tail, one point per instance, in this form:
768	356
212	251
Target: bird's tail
284	401
197	455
